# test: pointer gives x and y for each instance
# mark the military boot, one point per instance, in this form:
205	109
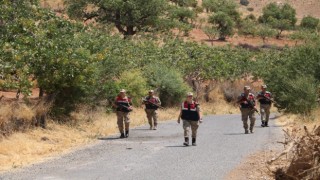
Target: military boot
246	131
251	130
194	142
263	124
127	133
266	124
122	135
186	141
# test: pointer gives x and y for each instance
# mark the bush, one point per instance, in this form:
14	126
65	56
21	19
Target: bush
244	2
224	23
135	84
250	9
281	17
296	95
251	17
167	82
294	83
310	22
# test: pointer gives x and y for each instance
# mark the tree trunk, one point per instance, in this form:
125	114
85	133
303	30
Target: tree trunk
41	92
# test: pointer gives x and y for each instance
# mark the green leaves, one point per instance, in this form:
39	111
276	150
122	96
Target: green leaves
281	17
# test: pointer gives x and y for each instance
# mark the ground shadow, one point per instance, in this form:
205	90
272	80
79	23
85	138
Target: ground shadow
147	129
177	146
233	134
109	138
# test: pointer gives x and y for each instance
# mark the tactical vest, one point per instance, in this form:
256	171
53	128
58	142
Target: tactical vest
153	100
123	104
249	100
189	111
264	100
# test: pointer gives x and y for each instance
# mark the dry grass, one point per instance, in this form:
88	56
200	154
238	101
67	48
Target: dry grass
38	144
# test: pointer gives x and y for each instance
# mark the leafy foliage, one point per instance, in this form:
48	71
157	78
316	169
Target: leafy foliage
310	22
129	17
244	2
294	83
224	23
281	17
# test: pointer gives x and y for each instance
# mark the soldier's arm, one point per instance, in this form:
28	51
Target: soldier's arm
179	118
158	102
199	113
240	100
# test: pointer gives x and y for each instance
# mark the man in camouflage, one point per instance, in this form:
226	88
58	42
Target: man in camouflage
265	99
191	115
152	104
247	108
123	107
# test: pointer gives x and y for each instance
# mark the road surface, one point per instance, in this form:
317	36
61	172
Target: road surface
159	155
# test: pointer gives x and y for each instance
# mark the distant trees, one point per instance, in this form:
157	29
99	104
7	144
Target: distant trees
224	24
310	22
280	17
244	2
129	17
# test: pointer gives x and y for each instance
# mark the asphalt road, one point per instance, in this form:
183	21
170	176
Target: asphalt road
149	154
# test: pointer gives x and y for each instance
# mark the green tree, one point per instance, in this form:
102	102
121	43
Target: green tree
264	32
135	84
129	17
224	24
248	28
244	2
227	6
310	22
211	32
281	17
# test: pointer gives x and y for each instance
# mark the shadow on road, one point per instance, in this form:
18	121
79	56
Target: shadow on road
234	134
177	146
109	138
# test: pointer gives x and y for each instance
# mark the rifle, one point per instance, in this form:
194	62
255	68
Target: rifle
145	100
125	107
253	108
251	104
264	96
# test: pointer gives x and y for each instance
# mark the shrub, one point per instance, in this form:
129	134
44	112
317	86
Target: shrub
224	24
250	9
135	84
167	82
310	22
244	2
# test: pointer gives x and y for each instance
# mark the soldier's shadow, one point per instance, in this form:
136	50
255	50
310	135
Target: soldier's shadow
109	138
176	146
233	134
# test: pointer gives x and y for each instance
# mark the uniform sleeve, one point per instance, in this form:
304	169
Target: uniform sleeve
198	108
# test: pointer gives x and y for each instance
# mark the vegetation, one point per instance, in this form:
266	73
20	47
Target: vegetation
75	63
281	17
310	22
224	24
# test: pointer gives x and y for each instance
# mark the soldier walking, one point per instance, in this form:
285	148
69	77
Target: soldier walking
191	115
123	108
265	99
152	104
247	108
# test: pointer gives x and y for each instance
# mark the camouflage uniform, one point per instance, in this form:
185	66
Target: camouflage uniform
151	110
190	114
264	98
123	105
247	111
